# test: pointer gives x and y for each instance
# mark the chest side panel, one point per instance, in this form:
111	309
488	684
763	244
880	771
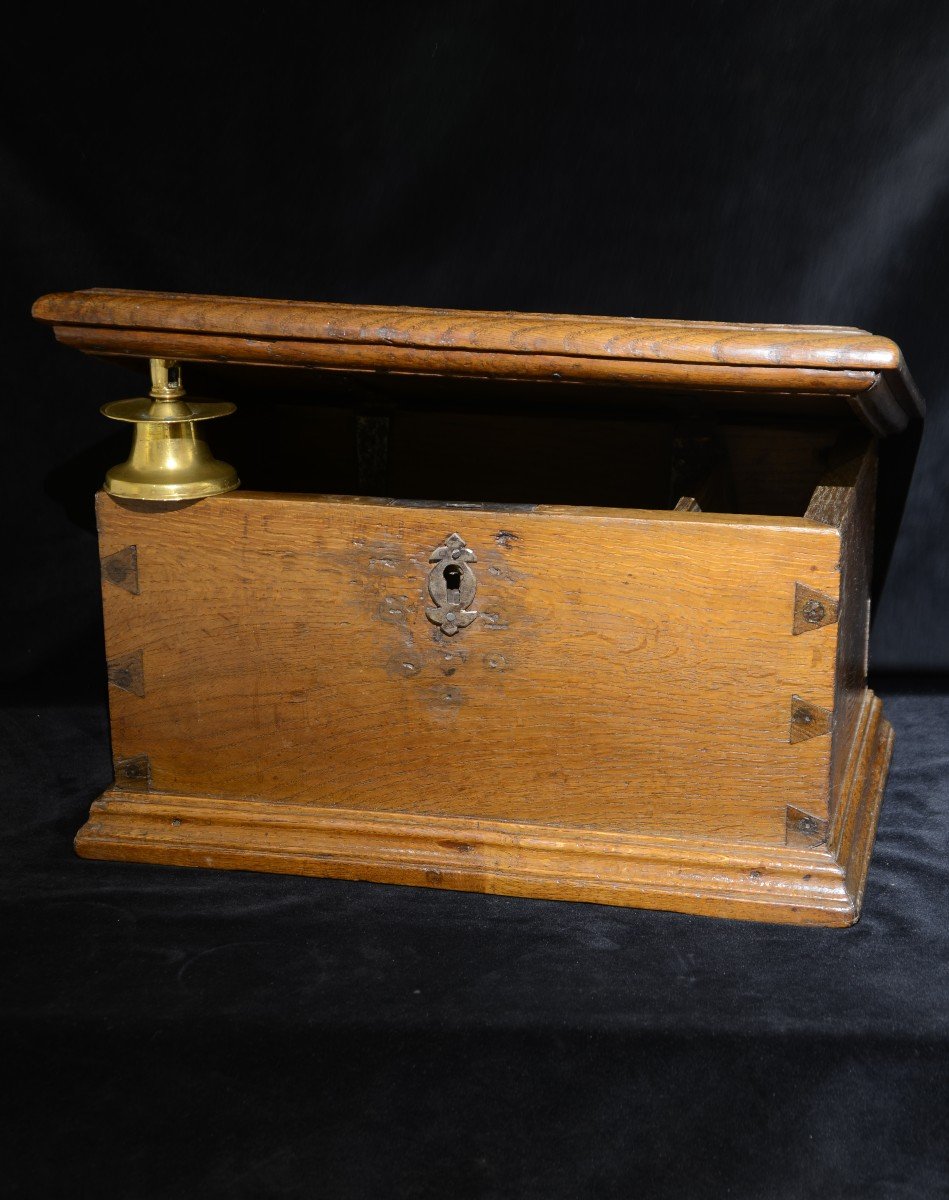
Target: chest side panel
625	672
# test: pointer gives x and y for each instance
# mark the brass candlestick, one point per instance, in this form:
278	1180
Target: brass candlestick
169	461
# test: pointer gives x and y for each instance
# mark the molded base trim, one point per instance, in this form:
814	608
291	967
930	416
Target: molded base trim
813	886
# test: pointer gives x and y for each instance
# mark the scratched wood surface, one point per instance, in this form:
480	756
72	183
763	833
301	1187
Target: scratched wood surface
629	671
845	500
814	885
836	347
538	346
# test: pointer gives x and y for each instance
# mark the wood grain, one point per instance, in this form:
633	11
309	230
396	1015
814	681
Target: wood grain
845	500
451	361
632	351
628	671
666	709
839	348
822	885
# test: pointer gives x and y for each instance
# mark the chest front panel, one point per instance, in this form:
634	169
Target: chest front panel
624	671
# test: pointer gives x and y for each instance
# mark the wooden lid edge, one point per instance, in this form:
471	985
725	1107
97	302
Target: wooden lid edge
619	339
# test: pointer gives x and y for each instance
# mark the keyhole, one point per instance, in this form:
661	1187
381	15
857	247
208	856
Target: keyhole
452	582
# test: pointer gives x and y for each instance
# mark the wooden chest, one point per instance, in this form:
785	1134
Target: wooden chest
610	646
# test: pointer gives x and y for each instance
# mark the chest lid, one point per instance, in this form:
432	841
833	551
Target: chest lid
801	370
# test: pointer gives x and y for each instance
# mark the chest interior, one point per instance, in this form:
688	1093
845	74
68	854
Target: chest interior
493	442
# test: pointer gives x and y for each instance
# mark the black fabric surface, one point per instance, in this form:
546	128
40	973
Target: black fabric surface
176	1033
186	1032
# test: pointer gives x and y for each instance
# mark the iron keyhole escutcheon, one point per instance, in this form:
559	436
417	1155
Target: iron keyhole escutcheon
452	585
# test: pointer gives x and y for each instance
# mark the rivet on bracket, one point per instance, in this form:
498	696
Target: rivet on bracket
808	720
133	774
128	673
121	569
812	609
803	828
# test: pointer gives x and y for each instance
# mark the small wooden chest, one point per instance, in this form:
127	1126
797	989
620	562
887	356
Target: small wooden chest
611	647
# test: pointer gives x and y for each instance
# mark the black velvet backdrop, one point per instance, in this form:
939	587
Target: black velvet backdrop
173	1033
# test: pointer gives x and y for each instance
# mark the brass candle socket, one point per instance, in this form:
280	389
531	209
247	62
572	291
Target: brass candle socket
169	461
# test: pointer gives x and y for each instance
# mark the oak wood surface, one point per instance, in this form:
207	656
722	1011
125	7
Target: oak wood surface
628	670
845	500
631	351
453	361
822	885
839	348
658	708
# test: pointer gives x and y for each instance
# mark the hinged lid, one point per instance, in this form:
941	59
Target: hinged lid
798	369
